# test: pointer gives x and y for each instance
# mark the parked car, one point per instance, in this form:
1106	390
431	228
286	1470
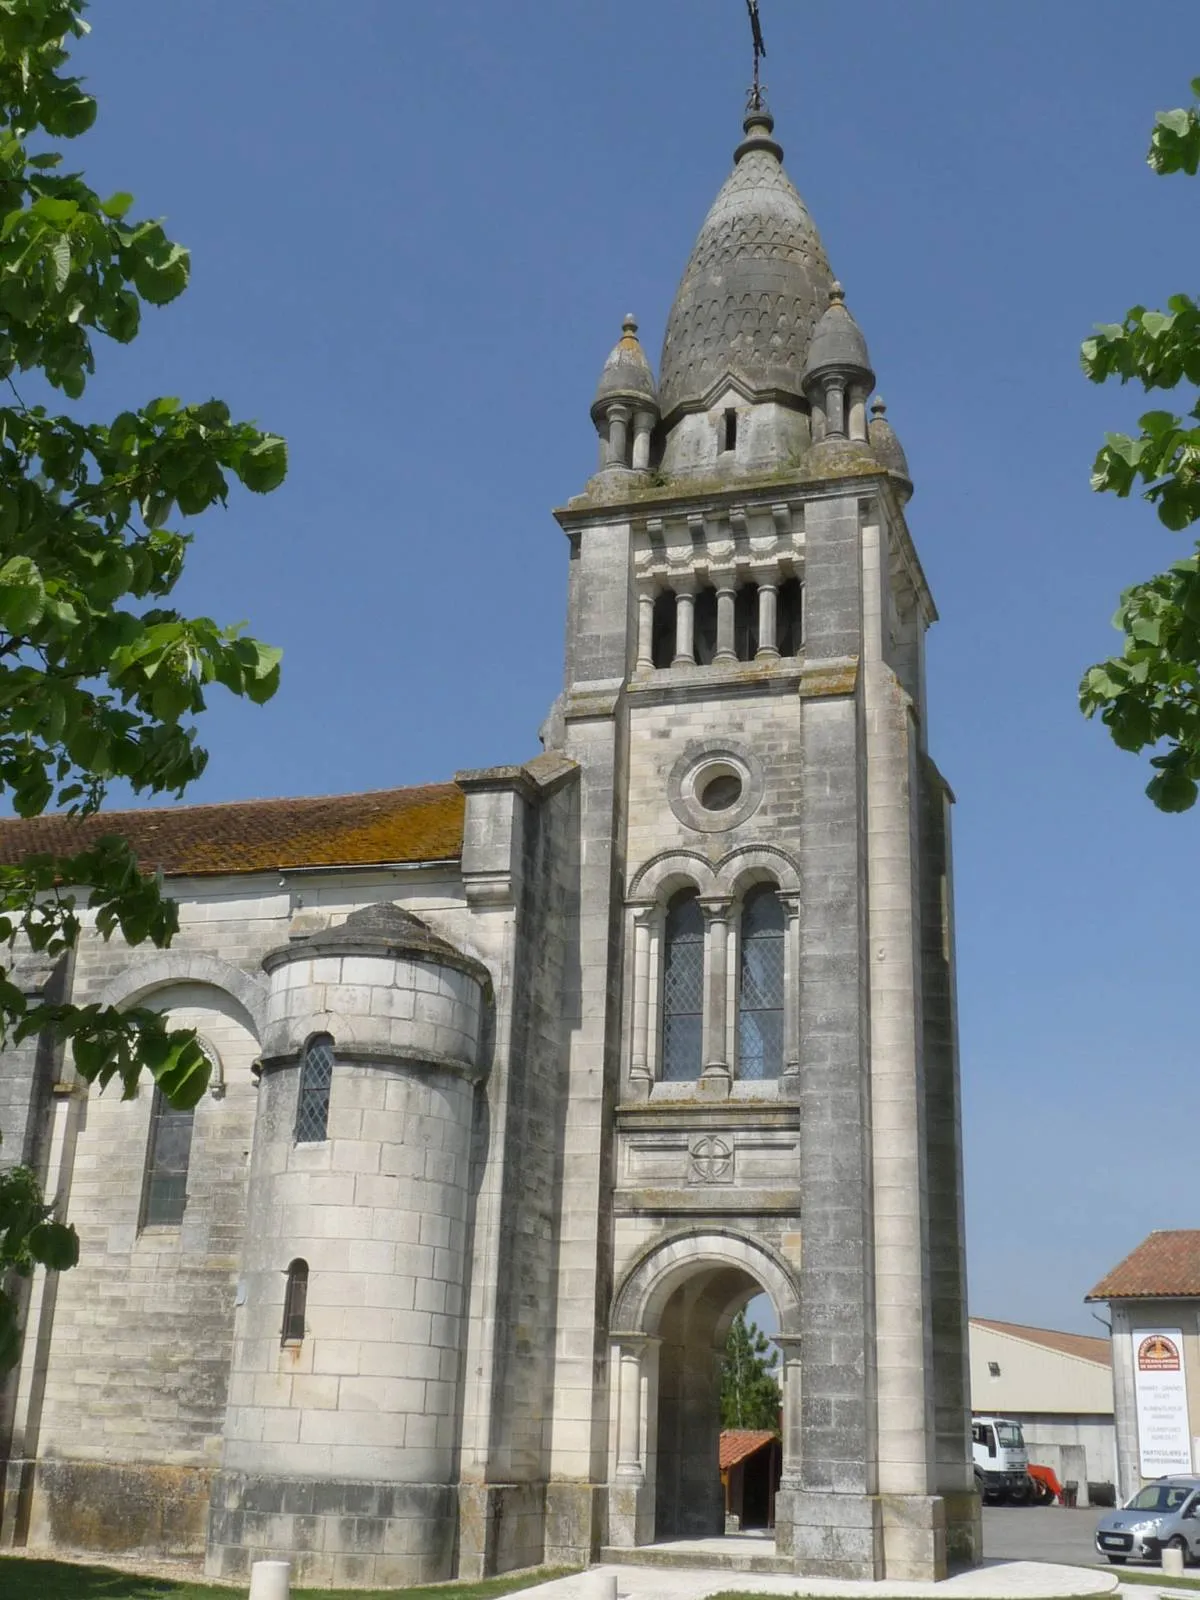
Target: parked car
1164	1514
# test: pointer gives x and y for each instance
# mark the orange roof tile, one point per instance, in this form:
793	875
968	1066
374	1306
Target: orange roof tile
1084	1346
349	830
739	1443
1164	1265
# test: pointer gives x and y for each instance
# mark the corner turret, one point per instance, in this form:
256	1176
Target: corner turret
625	409
887	449
838	376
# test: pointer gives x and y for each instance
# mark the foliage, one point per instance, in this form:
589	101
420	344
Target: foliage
1149	696
100	677
750	1396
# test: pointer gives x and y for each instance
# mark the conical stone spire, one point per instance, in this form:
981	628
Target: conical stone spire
755	285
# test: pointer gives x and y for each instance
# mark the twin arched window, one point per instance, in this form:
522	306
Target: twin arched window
312	1099
683	989
760	990
760	985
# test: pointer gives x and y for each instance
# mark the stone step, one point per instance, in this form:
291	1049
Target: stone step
667	1555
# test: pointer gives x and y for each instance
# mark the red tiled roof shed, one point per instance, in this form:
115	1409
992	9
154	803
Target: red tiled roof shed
1164	1266
739	1444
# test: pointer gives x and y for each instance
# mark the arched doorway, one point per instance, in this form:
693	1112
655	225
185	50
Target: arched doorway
671	1317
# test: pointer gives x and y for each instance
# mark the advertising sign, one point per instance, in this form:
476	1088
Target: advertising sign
1160	1387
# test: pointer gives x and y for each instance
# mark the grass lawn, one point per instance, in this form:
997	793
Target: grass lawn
60	1580
1160	1580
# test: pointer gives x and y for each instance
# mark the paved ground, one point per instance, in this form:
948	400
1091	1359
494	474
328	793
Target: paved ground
1001	1580
1041	1533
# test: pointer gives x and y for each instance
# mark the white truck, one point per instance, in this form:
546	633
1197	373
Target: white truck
1001	1460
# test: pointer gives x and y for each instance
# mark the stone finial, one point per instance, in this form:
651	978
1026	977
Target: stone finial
837	295
626	375
886	447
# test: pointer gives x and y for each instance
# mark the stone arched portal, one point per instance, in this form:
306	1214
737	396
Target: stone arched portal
671	1316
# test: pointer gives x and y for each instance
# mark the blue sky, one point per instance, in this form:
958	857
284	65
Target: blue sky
415	229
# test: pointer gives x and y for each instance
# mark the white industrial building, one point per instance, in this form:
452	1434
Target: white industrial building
1058	1386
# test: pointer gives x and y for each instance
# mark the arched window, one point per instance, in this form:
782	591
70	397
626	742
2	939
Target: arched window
745	622
312	1102
662	635
760	985
706	625
683	988
790	625
295	1303
168	1153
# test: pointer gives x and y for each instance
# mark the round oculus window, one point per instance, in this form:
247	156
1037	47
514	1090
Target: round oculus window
721	792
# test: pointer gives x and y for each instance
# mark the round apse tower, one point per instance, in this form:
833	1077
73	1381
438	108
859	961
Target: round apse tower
344	1400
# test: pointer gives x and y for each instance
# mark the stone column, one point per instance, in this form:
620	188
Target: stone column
631	1491
789	1480
791	994
629	1412
645	644
716	1075
685	634
618	436
652	994
640	1075
767	595
643	426
856	427
726	600
835	408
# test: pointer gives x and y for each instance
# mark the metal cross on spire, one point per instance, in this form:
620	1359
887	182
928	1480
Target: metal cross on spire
755	102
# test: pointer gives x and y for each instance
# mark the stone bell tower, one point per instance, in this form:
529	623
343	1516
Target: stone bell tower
762	1073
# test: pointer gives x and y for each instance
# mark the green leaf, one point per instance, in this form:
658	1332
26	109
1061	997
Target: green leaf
22	594
264	467
1172	791
61	255
116	205
54	1246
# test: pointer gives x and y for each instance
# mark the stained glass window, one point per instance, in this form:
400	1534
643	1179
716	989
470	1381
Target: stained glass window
312	1104
683	989
167	1158
760	986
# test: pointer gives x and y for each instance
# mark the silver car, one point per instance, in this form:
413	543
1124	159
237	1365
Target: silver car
1163	1515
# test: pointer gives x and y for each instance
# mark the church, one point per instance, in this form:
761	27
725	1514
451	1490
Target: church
524	1084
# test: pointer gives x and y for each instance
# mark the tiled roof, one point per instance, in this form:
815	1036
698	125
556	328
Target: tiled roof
1084	1346
348	830
739	1443
1164	1265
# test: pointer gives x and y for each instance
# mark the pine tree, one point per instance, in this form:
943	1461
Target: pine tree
750	1396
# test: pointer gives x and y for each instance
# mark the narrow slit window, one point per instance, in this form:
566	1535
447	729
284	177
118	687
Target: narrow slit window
729	431
295	1303
683	989
312	1102
706	625
167	1157
790	625
745	622
760	986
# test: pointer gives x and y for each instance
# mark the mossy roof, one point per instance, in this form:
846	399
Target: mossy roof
349	830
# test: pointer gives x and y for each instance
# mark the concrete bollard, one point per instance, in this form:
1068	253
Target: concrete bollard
599	1585
271	1580
1172	1562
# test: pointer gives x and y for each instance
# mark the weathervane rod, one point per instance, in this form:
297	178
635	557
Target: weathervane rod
760	50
